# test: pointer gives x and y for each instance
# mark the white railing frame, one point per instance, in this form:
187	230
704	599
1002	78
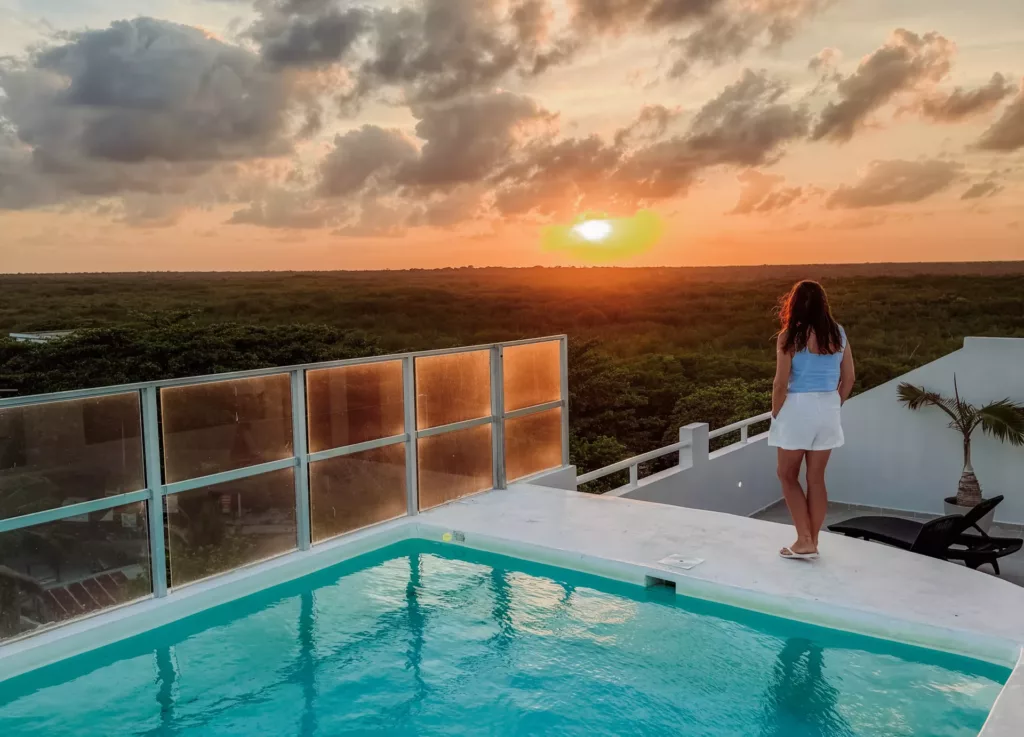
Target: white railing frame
157	487
633	464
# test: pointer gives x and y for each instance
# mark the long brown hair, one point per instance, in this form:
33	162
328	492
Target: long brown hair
803	309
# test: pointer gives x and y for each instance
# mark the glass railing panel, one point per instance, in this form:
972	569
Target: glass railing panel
533	374
454	464
352	491
218	528
57	571
225	425
60	453
354	404
533	443
453	387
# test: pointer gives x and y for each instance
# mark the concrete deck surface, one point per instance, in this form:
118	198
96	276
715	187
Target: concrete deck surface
855	585
1011	567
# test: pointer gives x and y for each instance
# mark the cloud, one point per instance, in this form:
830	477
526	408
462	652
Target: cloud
896	182
961	104
652	123
732	28
435	50
985	188
1007	133
369	154
467	139
142	106
745	125
307	33
431	50
760	193
906	62
293	210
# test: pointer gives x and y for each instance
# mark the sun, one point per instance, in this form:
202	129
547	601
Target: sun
596	237
593	231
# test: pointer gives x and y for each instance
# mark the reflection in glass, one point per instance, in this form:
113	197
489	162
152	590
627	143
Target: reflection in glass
799	700
452	388
533	374
60	453
218	528
352	491
454	464
76	566
221	426
354	404
533	443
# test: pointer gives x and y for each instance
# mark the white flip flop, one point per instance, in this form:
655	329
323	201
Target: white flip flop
790	555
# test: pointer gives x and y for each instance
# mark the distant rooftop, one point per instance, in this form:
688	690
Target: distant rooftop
42	336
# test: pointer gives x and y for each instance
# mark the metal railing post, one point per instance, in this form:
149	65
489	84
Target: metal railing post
300	449
498	418
744	432
565	399
634	475
154	481
411	460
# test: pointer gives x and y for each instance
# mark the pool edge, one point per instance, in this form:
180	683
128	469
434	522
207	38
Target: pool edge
62	642
1006	717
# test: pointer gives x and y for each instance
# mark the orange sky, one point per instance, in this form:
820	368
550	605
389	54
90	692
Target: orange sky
326	135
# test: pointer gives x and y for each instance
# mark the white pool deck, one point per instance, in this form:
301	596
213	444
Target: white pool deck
856	586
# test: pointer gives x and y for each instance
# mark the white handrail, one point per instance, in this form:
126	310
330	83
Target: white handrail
742	426
633	463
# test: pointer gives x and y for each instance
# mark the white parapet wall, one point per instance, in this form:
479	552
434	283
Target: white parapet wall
739	479
906	460
893	458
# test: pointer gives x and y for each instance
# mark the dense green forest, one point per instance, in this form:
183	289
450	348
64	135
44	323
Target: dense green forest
650	349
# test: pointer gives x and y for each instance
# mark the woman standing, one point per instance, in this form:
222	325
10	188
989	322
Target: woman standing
813	377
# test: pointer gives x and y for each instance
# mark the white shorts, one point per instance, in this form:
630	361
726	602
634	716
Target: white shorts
808	421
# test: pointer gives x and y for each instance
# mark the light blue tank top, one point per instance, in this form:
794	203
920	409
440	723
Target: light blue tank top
813	372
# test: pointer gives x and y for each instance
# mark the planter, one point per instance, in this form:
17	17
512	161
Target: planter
953	508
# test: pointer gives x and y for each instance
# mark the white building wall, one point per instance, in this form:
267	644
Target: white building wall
907	460
893	457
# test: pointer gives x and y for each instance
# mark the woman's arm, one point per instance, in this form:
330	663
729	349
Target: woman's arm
783	365
847	373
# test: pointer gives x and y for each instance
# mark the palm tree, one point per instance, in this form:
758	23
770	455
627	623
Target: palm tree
1003	420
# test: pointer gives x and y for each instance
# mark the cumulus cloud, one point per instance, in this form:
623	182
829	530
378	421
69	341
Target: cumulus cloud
905	63
1007	133
142	106
369	154
652	123
985	188
747	124
308	32
961	104
434	50
761	193
896	182
731	28
287	209
466	140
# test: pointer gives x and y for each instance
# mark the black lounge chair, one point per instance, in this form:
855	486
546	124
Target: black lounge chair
945	538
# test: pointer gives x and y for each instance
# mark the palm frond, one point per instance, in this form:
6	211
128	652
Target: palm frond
916	397
1003	420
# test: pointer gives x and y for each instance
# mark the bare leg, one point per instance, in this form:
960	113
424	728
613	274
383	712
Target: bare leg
789	474
817	494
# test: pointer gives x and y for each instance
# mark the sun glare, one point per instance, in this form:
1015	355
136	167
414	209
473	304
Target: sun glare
597	238
593	230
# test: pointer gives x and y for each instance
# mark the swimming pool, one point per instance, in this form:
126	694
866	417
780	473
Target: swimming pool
426	639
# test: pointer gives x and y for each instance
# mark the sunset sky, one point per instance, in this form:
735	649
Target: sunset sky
328	134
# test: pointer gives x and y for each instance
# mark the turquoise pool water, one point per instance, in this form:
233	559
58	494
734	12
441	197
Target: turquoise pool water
424	639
